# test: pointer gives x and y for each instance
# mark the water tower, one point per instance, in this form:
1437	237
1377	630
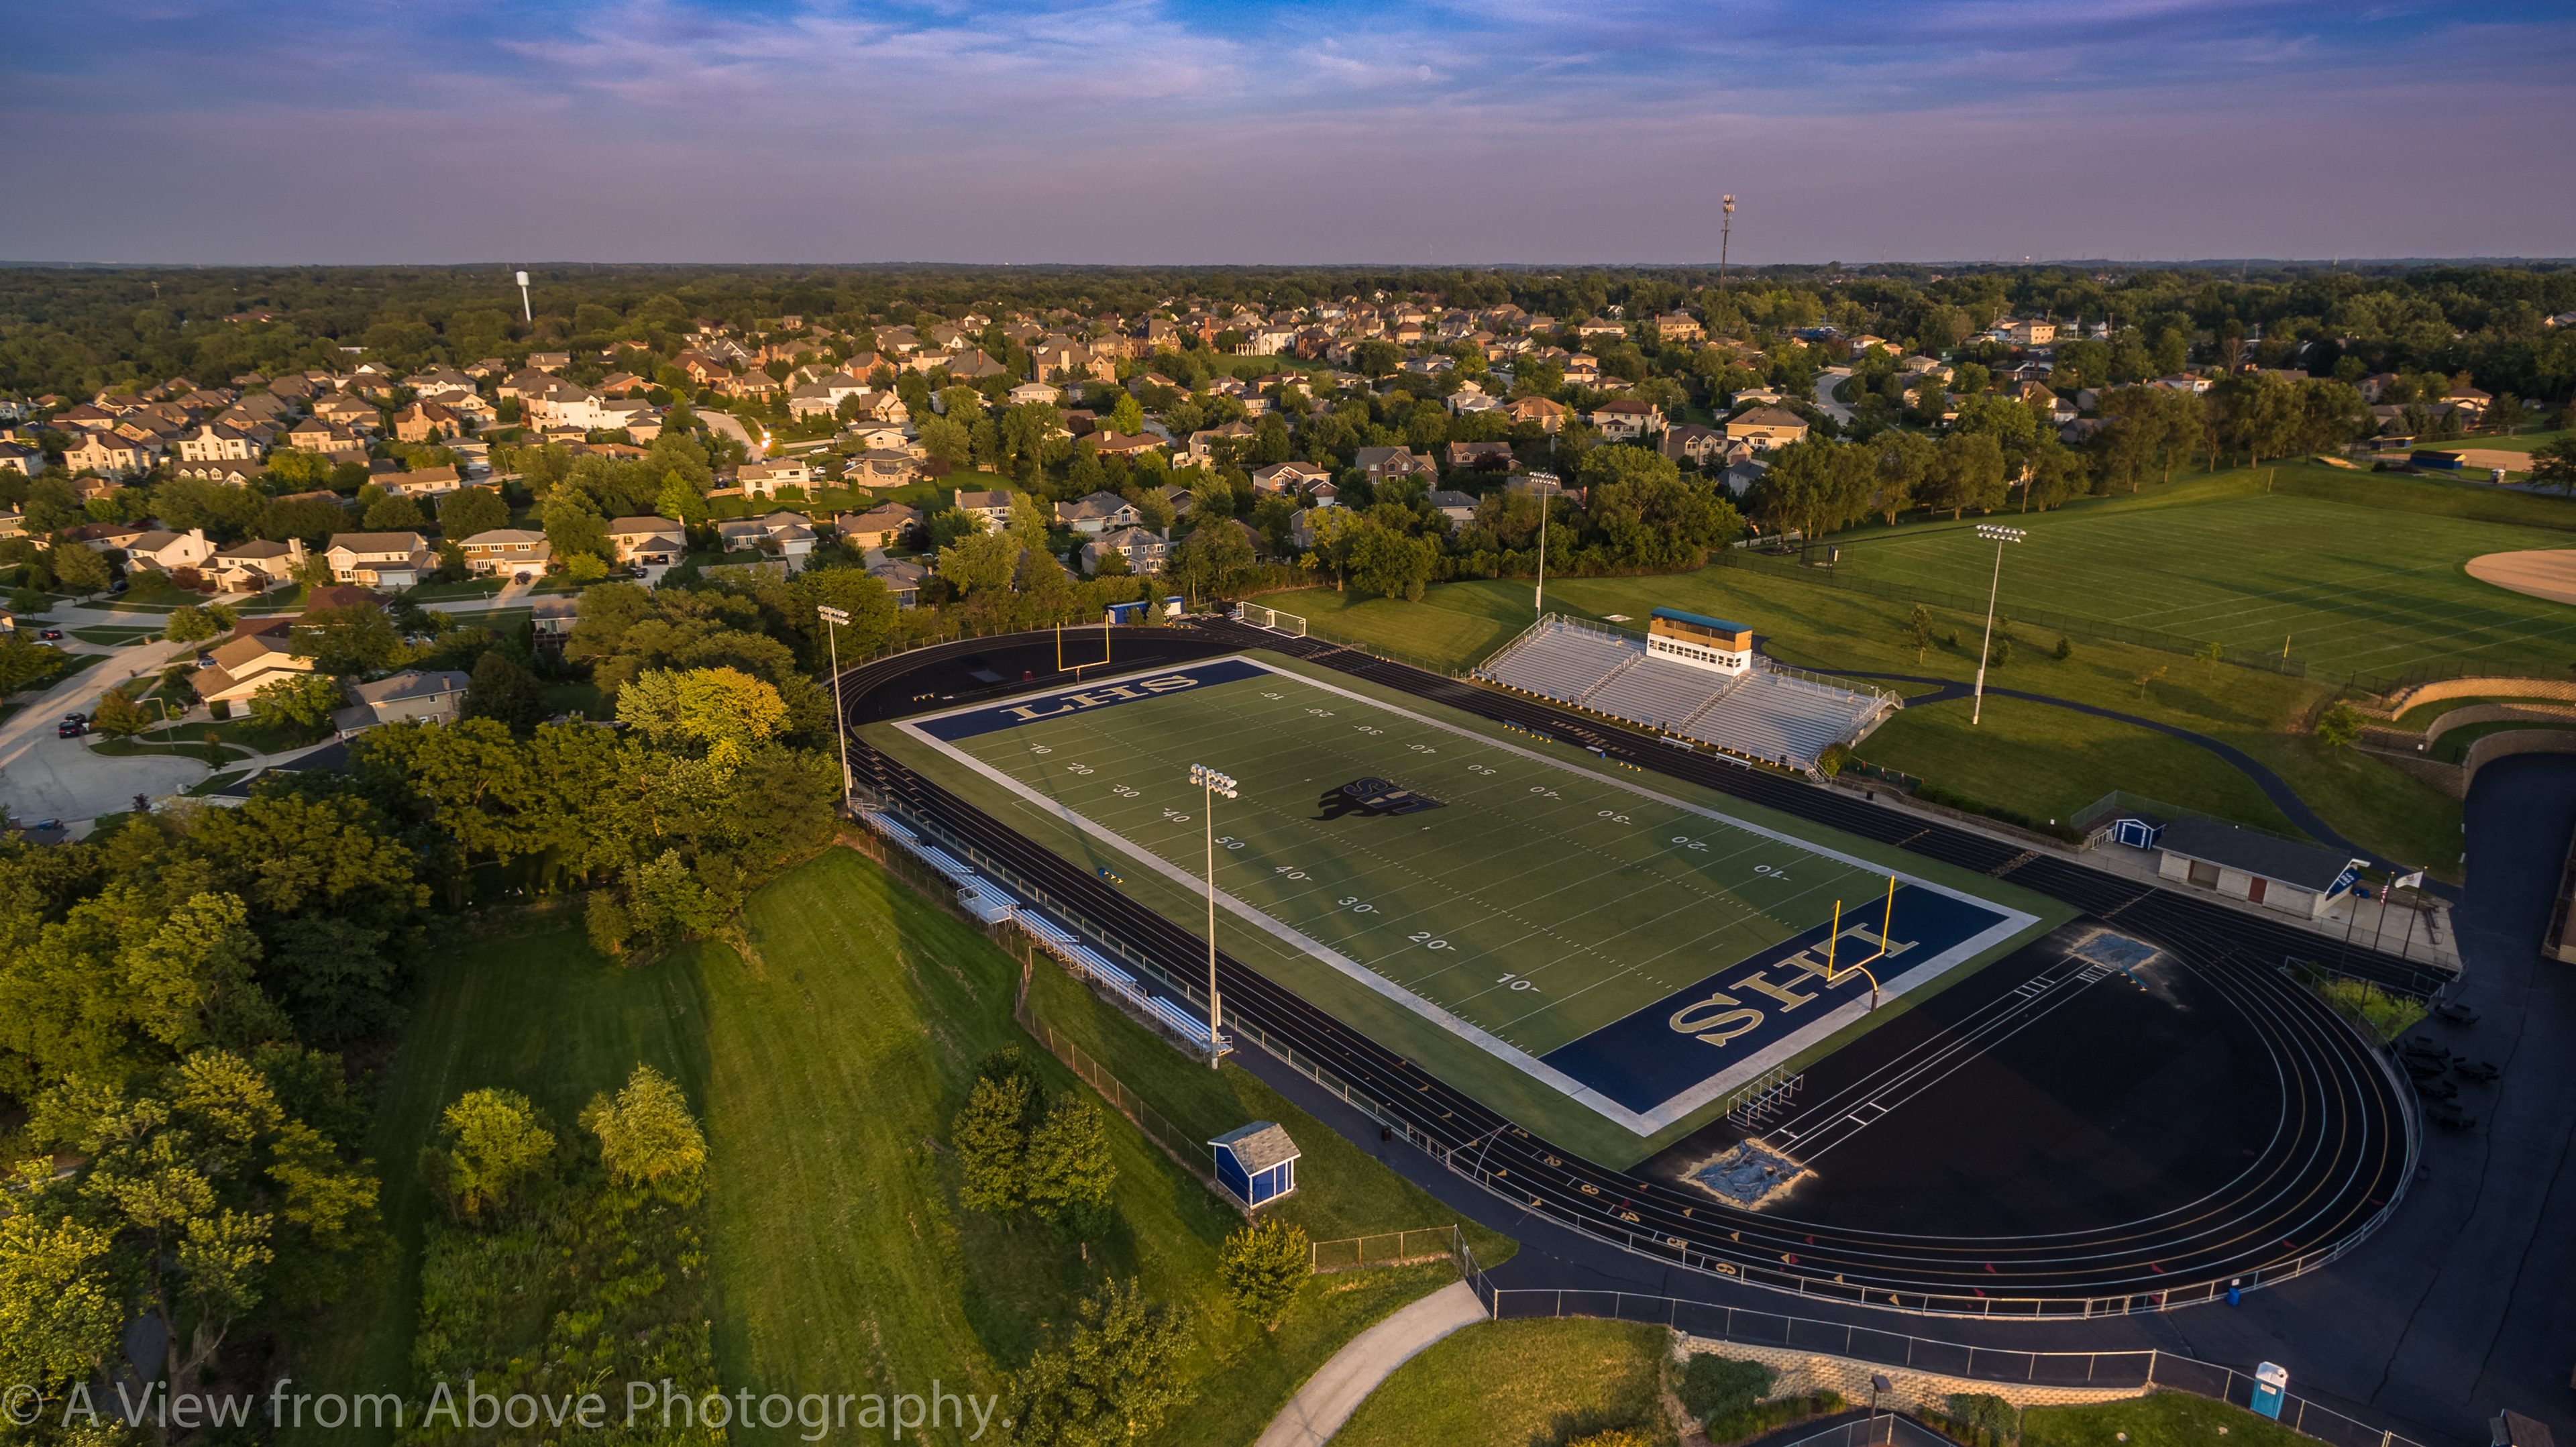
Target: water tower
524	311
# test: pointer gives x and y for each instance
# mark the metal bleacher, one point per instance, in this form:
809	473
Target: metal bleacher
1774	714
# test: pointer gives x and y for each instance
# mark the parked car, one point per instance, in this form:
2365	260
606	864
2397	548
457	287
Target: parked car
71	729
50	634
76	717
205	660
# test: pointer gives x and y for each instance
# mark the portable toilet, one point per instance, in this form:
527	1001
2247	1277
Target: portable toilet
2271	1384
1257	1163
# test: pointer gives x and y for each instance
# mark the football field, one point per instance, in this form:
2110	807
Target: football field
1636	951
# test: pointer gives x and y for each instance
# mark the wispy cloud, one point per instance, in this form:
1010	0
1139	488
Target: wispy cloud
1331	130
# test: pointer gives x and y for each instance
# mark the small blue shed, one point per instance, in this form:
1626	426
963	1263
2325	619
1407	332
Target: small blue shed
2138	831
1257	1163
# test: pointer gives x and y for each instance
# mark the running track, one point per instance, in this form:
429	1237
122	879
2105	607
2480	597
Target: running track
2334	1167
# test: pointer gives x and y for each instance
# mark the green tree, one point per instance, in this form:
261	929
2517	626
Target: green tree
489	1143
185	1202
1376	358
357	639
2553	465
60	1312
79	569
1069	1167
981	562
189	624
119	716
503	691
394	514
1390	564
1114	1381
646	1132
1210	560
679	501
1262	1267
1127	417
1918	632
991	1139
948	440
2340	726
472	510
305	700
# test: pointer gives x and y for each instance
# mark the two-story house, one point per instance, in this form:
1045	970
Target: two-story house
255	567
1626	420
1380	464
1101	512
992	505
507	550
381	560
1144	551
764	479
648	542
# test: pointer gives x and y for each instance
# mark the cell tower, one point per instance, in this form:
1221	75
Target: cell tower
1725	228
525	312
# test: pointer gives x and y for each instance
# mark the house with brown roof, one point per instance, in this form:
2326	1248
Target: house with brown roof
507	550
764	479
381	560
1288	477
1108	443
168	552
1764	428
1546	412
1699	446
1378	464
1479	456
1626	420
246	661
648	542
1143	550
1101	512
422	481
215	442
109	455
877	527
255	566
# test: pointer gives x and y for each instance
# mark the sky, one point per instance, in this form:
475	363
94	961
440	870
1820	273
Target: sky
1285	131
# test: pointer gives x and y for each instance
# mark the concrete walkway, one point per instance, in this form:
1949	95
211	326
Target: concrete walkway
1339	1386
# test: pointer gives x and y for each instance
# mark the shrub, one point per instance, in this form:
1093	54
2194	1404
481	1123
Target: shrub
1760	1417
2340	727
1985	1412
1615	1437
1712	1384
646	1132
489	1142
1262	1266
2065	648
220	709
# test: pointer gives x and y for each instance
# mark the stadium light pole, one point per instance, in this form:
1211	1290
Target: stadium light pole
1213	785
1540	482
833	621
1998	536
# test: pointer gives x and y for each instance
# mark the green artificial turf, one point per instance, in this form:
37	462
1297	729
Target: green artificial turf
825	1059
1522	1383
1388	877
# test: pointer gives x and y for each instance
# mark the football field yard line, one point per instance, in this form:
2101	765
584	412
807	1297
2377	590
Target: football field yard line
1380	917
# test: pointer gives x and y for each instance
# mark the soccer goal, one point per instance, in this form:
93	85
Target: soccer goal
1270	618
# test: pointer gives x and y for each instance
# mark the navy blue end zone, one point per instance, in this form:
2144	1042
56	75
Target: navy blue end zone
974	721
1762	1000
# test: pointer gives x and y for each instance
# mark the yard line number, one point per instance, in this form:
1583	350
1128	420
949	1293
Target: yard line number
1517	983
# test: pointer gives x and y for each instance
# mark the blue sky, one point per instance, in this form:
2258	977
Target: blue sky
1284	132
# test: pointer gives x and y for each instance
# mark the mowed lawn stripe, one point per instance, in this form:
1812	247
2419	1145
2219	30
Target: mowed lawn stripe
1595	909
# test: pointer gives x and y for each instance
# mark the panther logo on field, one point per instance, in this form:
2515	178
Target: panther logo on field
1377	798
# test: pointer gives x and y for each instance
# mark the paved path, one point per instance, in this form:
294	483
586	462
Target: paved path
44	777
2274	787
1826	382
1339	1386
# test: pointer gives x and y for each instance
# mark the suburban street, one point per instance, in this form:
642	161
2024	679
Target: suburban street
44	777
1826	382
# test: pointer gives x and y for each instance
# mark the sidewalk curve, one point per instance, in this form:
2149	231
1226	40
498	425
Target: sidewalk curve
1339	1386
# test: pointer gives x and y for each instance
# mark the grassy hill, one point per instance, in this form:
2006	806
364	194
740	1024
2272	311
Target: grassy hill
825	1050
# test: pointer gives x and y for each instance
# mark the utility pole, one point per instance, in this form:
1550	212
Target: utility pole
833	619
1213	784
1998	536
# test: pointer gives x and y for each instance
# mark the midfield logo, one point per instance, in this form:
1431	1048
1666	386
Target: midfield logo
1377	798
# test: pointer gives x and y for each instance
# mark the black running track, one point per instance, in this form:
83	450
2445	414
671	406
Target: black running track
2331	1153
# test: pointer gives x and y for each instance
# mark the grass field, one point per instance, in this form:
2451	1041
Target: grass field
1546	900
1522	1383
2220	560
825	1058
2159	1419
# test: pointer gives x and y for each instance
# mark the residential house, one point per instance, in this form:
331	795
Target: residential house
1288	477
1696	445
901	576
1678	327
1204	443
109	455
884	467
1548	415
873	436
168	552
2029	334
1108	443
549	361
1458	507
411	696
764	479
1626	420
215	442
877	527
1381	464
1764	428
2182	382
554	618
783	535
422	421
422	481
507	550
823	396
104	537
1143	550
1479	456
993	506
388	560
255	567
25	461
315	435
648	542
256	655
355	413
1028	392
1101	512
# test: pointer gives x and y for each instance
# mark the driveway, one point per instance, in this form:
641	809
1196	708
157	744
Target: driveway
1826	382
44	777
725	424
